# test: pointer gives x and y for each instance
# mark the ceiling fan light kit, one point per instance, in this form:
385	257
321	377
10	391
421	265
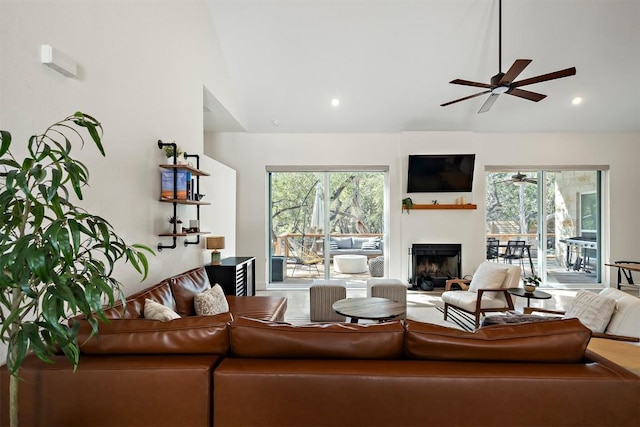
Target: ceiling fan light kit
504	82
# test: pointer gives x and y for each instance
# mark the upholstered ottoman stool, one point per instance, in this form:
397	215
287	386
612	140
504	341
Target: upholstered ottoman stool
350	264
322	295
376	266
392	289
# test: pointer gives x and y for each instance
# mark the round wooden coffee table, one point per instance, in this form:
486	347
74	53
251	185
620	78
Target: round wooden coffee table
375	308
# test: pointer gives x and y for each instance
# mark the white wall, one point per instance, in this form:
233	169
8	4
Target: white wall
250	153
143	66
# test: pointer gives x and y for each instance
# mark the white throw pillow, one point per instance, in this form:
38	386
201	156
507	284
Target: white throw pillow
593	310
156	311
211	302
488	276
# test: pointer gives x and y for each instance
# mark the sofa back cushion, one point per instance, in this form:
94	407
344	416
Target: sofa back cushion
559	341
186	286
344	242
626	316
134	309
251	338
493	275
187	335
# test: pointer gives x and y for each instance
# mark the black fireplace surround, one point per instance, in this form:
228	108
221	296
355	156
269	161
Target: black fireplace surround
433	264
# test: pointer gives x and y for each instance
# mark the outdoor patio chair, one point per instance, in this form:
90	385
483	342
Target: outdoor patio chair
304	256
493	246
515	251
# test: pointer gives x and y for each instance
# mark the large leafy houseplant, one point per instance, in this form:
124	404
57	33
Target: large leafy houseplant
56	259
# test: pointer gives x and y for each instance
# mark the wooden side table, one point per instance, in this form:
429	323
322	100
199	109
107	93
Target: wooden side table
625	354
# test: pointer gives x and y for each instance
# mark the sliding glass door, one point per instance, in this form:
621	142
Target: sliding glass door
558	216
315	216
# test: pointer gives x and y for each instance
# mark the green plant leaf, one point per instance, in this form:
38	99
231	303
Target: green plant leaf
5	137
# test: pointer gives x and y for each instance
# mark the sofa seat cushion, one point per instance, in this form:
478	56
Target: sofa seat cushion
559	341
258	307
201	334
467	300
258	339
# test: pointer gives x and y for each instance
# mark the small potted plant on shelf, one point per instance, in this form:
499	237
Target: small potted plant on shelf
177	221
531	283
168	151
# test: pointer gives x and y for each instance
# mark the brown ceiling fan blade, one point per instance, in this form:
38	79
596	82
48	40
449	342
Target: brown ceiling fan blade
470	83
514	71
545	77
488	103
531	96
464	99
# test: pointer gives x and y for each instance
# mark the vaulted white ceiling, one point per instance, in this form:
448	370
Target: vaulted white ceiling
390	62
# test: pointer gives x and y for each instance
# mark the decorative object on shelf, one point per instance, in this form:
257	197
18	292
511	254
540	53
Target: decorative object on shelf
175	224
531	283
407	204
57	258
215	243
461	201
169	150
435	202
194	226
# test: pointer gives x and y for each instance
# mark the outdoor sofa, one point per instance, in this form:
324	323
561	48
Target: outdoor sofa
232	370
352	245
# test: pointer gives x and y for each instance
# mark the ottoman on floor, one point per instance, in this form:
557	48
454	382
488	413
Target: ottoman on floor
376	266
350	264
322	295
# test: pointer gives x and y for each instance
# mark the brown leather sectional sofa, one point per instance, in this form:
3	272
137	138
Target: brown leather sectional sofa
234	370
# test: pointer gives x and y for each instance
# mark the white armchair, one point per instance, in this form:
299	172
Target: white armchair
487	291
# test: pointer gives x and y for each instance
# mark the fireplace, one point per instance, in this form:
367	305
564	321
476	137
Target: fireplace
432	264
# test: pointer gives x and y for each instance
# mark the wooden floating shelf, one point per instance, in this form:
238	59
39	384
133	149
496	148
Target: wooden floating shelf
183	234
427	207
194	171
185	202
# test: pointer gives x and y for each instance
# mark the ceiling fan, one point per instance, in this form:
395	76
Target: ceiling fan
504	82
521	178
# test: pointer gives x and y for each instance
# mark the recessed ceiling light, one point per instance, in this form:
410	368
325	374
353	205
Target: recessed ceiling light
576	101
335	102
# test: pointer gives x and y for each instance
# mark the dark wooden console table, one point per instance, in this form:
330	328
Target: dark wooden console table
236	275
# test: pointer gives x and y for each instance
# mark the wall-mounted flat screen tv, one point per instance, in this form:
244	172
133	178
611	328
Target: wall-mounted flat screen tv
440	173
